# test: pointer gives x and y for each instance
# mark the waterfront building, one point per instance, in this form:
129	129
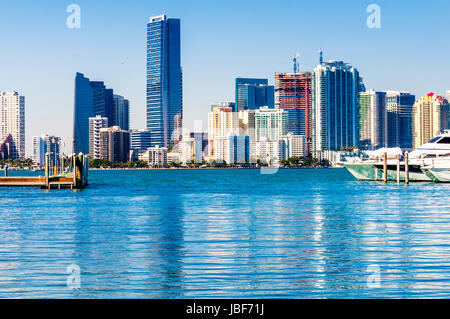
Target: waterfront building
46	144
140	140
232	149
270	124
155	156
295	146
335	88
114	144
92	98
221	122
12	123
399	107
164	81
121	112
251	94
431	117
372	120
95	125
269	151
293	94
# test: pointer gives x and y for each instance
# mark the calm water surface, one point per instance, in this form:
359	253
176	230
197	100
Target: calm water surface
226	234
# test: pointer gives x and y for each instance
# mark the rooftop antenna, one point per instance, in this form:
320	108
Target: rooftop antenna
321	56
296	63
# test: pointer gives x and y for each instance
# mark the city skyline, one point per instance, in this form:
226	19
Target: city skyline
402	67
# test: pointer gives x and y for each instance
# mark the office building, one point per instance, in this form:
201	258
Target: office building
372	120
164	81
251	94
121	112
12	123
140	140
431	117
92	98
335	88
399	107
114	144
46	144
95	125
293	94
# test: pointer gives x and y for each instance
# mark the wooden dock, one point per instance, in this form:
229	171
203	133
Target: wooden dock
77	178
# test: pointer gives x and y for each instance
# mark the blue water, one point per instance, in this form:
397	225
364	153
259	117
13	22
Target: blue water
226	234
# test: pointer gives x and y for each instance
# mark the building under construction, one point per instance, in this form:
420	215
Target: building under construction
293	93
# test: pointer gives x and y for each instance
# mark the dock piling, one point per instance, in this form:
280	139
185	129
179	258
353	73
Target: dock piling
406	168
385	168
398	169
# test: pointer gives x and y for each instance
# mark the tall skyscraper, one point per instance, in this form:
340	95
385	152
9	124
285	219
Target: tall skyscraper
399	106
164	81
114	144
335	89
293	94
95	125
372	120
46	144
431	117
251	94
121	112
12	122
92	98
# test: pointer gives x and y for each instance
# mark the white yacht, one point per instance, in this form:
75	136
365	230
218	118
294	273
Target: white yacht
422	162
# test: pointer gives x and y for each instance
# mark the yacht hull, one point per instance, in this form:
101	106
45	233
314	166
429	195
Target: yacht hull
441	175
374	172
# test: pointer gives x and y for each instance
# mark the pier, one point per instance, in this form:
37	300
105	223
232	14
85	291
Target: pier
75	178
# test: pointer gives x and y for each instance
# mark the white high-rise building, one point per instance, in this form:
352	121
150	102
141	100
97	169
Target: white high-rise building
295	145
46	144
221	122
270	124
335	87
95	125
12	121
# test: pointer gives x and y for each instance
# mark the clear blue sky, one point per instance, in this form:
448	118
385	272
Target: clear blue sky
221	40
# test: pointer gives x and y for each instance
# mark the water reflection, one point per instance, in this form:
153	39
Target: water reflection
227	234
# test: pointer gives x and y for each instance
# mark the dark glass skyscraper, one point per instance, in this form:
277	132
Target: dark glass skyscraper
251	94
91	98
164	81
399	105
83	110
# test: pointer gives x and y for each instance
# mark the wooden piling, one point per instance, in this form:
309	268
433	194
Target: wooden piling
398	169
385	169
407	168
6	170
47	170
